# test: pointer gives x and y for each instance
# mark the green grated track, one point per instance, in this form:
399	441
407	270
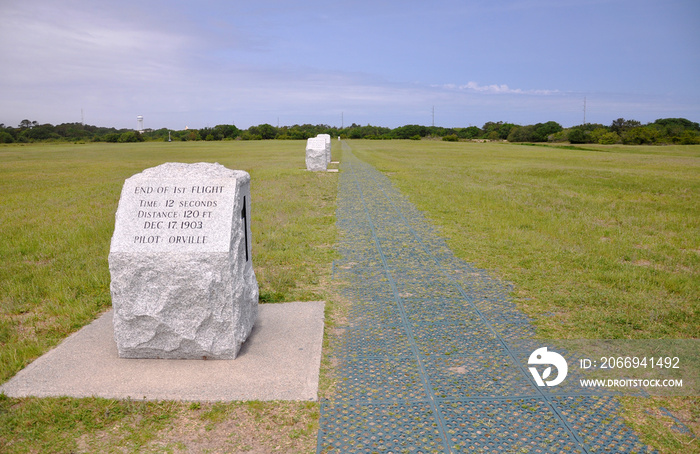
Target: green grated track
432	356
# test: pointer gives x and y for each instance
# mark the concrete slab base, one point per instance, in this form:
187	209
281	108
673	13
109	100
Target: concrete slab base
280	360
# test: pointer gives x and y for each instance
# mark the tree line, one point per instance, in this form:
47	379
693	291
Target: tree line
662	131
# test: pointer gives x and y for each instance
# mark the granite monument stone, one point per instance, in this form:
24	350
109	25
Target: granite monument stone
316	157
183	285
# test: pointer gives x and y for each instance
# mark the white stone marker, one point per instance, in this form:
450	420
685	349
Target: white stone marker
327	138
183	285
316	158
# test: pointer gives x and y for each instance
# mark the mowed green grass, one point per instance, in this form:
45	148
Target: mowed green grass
599	244
57	218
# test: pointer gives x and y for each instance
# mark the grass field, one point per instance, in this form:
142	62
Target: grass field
57	218
602	242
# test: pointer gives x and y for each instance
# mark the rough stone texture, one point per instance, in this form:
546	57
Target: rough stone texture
183	285
316	156
327	138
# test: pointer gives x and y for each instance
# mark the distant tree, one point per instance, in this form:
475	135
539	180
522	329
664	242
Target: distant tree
591	126
192	134
496	130
641	135
248	135
544	130
673	129
489	128
265	131
408	131
680	123
539	132
598	133
521	134
668	130
504	130
26	124
204	132
296	132
355	133
578	135
130	136
439	131
73	131
6	137
609	138
689	137
40	132
621	125
472	132
561	136
161	134
226	131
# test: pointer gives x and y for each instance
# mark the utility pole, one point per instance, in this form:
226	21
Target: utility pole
433	116
584	110
342	120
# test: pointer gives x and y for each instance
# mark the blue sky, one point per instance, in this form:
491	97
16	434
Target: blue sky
377	62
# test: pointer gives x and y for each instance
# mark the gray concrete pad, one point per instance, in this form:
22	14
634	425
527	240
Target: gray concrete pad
280	360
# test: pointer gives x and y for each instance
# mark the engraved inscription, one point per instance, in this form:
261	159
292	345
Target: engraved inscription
177	217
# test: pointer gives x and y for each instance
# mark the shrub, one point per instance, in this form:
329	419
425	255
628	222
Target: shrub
192	134
577	135
130	136
521	134
609	138
689	138
493	135
6	137
595	134
451	138
410	131
641	135
561	136
544	130
471	132
248	136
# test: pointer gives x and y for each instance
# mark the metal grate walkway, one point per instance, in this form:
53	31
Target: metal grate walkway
431	356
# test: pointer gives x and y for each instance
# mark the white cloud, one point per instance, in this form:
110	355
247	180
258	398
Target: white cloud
495	89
